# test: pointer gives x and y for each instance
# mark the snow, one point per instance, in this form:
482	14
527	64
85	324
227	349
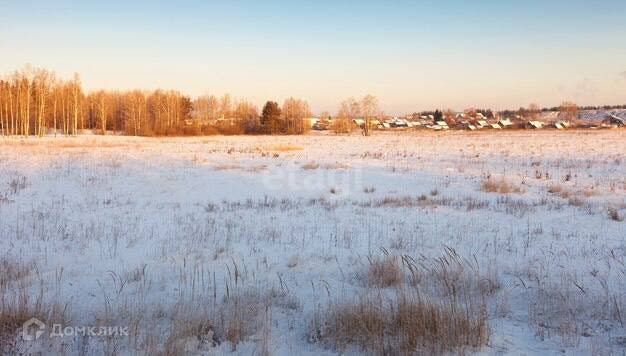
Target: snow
293	214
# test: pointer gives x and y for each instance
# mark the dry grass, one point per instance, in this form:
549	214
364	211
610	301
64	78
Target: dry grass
226	167
190	334
369	190
615	215
384	272
336	165
588	193
440	310
501	186
577	199
555	188
560	191
15	309
451	288
310	166
94	143
198	326
18	304
70	142
402	325
17	184
421	201
443	327
576	202
574	307
285	148
257	169
13	316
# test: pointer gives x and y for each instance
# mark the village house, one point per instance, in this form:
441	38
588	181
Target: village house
533	124
505	123
614	120
481	123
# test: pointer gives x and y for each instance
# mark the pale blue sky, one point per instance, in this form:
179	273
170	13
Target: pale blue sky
412	55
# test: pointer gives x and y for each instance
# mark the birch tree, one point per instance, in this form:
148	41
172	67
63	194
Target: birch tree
102	108
293	112
369	108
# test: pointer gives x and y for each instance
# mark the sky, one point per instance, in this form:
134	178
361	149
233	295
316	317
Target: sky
412	55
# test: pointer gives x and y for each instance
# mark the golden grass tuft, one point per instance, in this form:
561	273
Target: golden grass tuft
501	186
402	326
384	273
285	148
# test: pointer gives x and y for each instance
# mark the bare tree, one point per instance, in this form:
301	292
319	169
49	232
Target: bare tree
226	106
76	96
449	117
369	109
134	111
102	109
3	109
208	108
245	110
569	110
533	111
294	111
23	81
349	110
41	83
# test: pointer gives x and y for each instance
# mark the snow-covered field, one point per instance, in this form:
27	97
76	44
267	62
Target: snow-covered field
215	245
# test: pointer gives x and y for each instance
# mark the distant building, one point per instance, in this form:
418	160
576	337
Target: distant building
614	120
311	121
505	123
549	116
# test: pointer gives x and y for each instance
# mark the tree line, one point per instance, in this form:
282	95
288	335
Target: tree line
35	101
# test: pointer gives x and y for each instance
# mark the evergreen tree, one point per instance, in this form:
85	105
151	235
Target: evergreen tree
270	118
438	116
